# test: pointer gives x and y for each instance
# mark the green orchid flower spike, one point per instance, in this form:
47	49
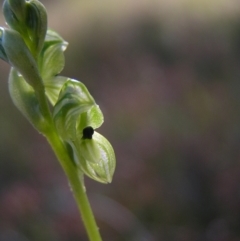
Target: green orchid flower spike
60	108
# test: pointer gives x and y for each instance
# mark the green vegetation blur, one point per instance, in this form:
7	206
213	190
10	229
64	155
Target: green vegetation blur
166	75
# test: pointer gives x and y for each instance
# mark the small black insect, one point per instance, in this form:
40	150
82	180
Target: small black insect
88	132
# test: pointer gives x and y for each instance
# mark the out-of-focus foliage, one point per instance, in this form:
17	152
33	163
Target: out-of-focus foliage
168	79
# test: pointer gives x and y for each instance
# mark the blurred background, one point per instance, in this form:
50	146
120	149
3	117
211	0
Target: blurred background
166	74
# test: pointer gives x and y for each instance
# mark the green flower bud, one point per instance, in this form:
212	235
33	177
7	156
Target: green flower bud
24	97
15	51
76	115
36	22
29	18
95	157
75	110
51	60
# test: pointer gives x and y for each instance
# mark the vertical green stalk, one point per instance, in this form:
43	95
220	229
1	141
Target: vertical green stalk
77	186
